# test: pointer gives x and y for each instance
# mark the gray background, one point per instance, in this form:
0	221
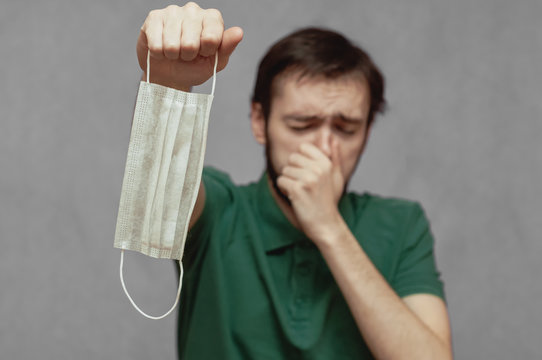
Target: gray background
461	136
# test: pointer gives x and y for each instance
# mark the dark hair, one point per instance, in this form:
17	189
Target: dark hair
317	52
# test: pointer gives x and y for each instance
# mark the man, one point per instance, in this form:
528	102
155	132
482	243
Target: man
293	266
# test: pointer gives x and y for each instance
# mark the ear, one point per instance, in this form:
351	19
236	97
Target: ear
257	122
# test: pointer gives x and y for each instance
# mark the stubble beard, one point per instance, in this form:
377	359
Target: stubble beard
273	173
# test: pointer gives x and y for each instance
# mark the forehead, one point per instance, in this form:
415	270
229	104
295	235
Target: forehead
320	96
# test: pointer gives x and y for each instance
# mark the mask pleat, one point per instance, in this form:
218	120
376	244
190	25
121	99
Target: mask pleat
157	160
188	189
195	167
179	172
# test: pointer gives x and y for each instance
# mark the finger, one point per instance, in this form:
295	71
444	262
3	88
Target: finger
300	174
142	50
212	32
152	34
231	38
302	161
286	185
191	34
312	152
171	36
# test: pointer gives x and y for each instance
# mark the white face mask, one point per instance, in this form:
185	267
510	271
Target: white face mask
163	173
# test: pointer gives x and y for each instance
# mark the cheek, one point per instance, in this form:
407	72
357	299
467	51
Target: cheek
349	158
281	146
278	152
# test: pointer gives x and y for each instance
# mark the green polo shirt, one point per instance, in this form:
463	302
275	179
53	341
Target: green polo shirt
255	287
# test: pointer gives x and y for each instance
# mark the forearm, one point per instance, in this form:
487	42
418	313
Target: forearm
390	328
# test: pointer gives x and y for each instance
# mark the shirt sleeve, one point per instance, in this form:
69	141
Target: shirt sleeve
218	194
417	272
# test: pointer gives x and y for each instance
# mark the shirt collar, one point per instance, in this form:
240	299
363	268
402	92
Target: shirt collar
283	233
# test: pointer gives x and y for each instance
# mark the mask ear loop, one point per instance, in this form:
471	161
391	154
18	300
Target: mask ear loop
137	307
181	270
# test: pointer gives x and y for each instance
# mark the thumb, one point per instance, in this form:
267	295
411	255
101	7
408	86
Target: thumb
230	39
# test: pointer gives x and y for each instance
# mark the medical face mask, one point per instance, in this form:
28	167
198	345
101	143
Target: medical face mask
162	174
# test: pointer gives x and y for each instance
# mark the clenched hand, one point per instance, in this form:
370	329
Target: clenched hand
314	184
183	42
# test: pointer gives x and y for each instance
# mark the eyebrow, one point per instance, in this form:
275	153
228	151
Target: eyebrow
305	118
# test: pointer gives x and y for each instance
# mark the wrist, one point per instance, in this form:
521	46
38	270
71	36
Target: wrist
331	233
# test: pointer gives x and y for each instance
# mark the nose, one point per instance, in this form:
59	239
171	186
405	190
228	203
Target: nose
323	140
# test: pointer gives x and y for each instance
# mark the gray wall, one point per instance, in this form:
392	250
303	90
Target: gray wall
461	136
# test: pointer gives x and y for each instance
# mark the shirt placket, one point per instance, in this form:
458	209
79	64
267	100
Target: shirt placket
302	289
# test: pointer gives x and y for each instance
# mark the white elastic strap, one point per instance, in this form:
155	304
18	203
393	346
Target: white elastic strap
132	301
148	65
214	69
214	73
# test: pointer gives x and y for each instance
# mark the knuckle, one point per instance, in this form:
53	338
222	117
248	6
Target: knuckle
172	8
155	47
210	39
312	180
191	6
156	14
214	13
189	45
171	46
151	16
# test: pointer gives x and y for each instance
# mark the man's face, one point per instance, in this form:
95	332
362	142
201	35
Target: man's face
316	111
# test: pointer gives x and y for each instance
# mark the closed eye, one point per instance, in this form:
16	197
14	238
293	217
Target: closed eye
301	128
347	129
302	123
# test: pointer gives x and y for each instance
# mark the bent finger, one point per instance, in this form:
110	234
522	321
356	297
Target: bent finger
302	161
286	185
300	174
312	152
190	37
151	34
171	36
212	32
